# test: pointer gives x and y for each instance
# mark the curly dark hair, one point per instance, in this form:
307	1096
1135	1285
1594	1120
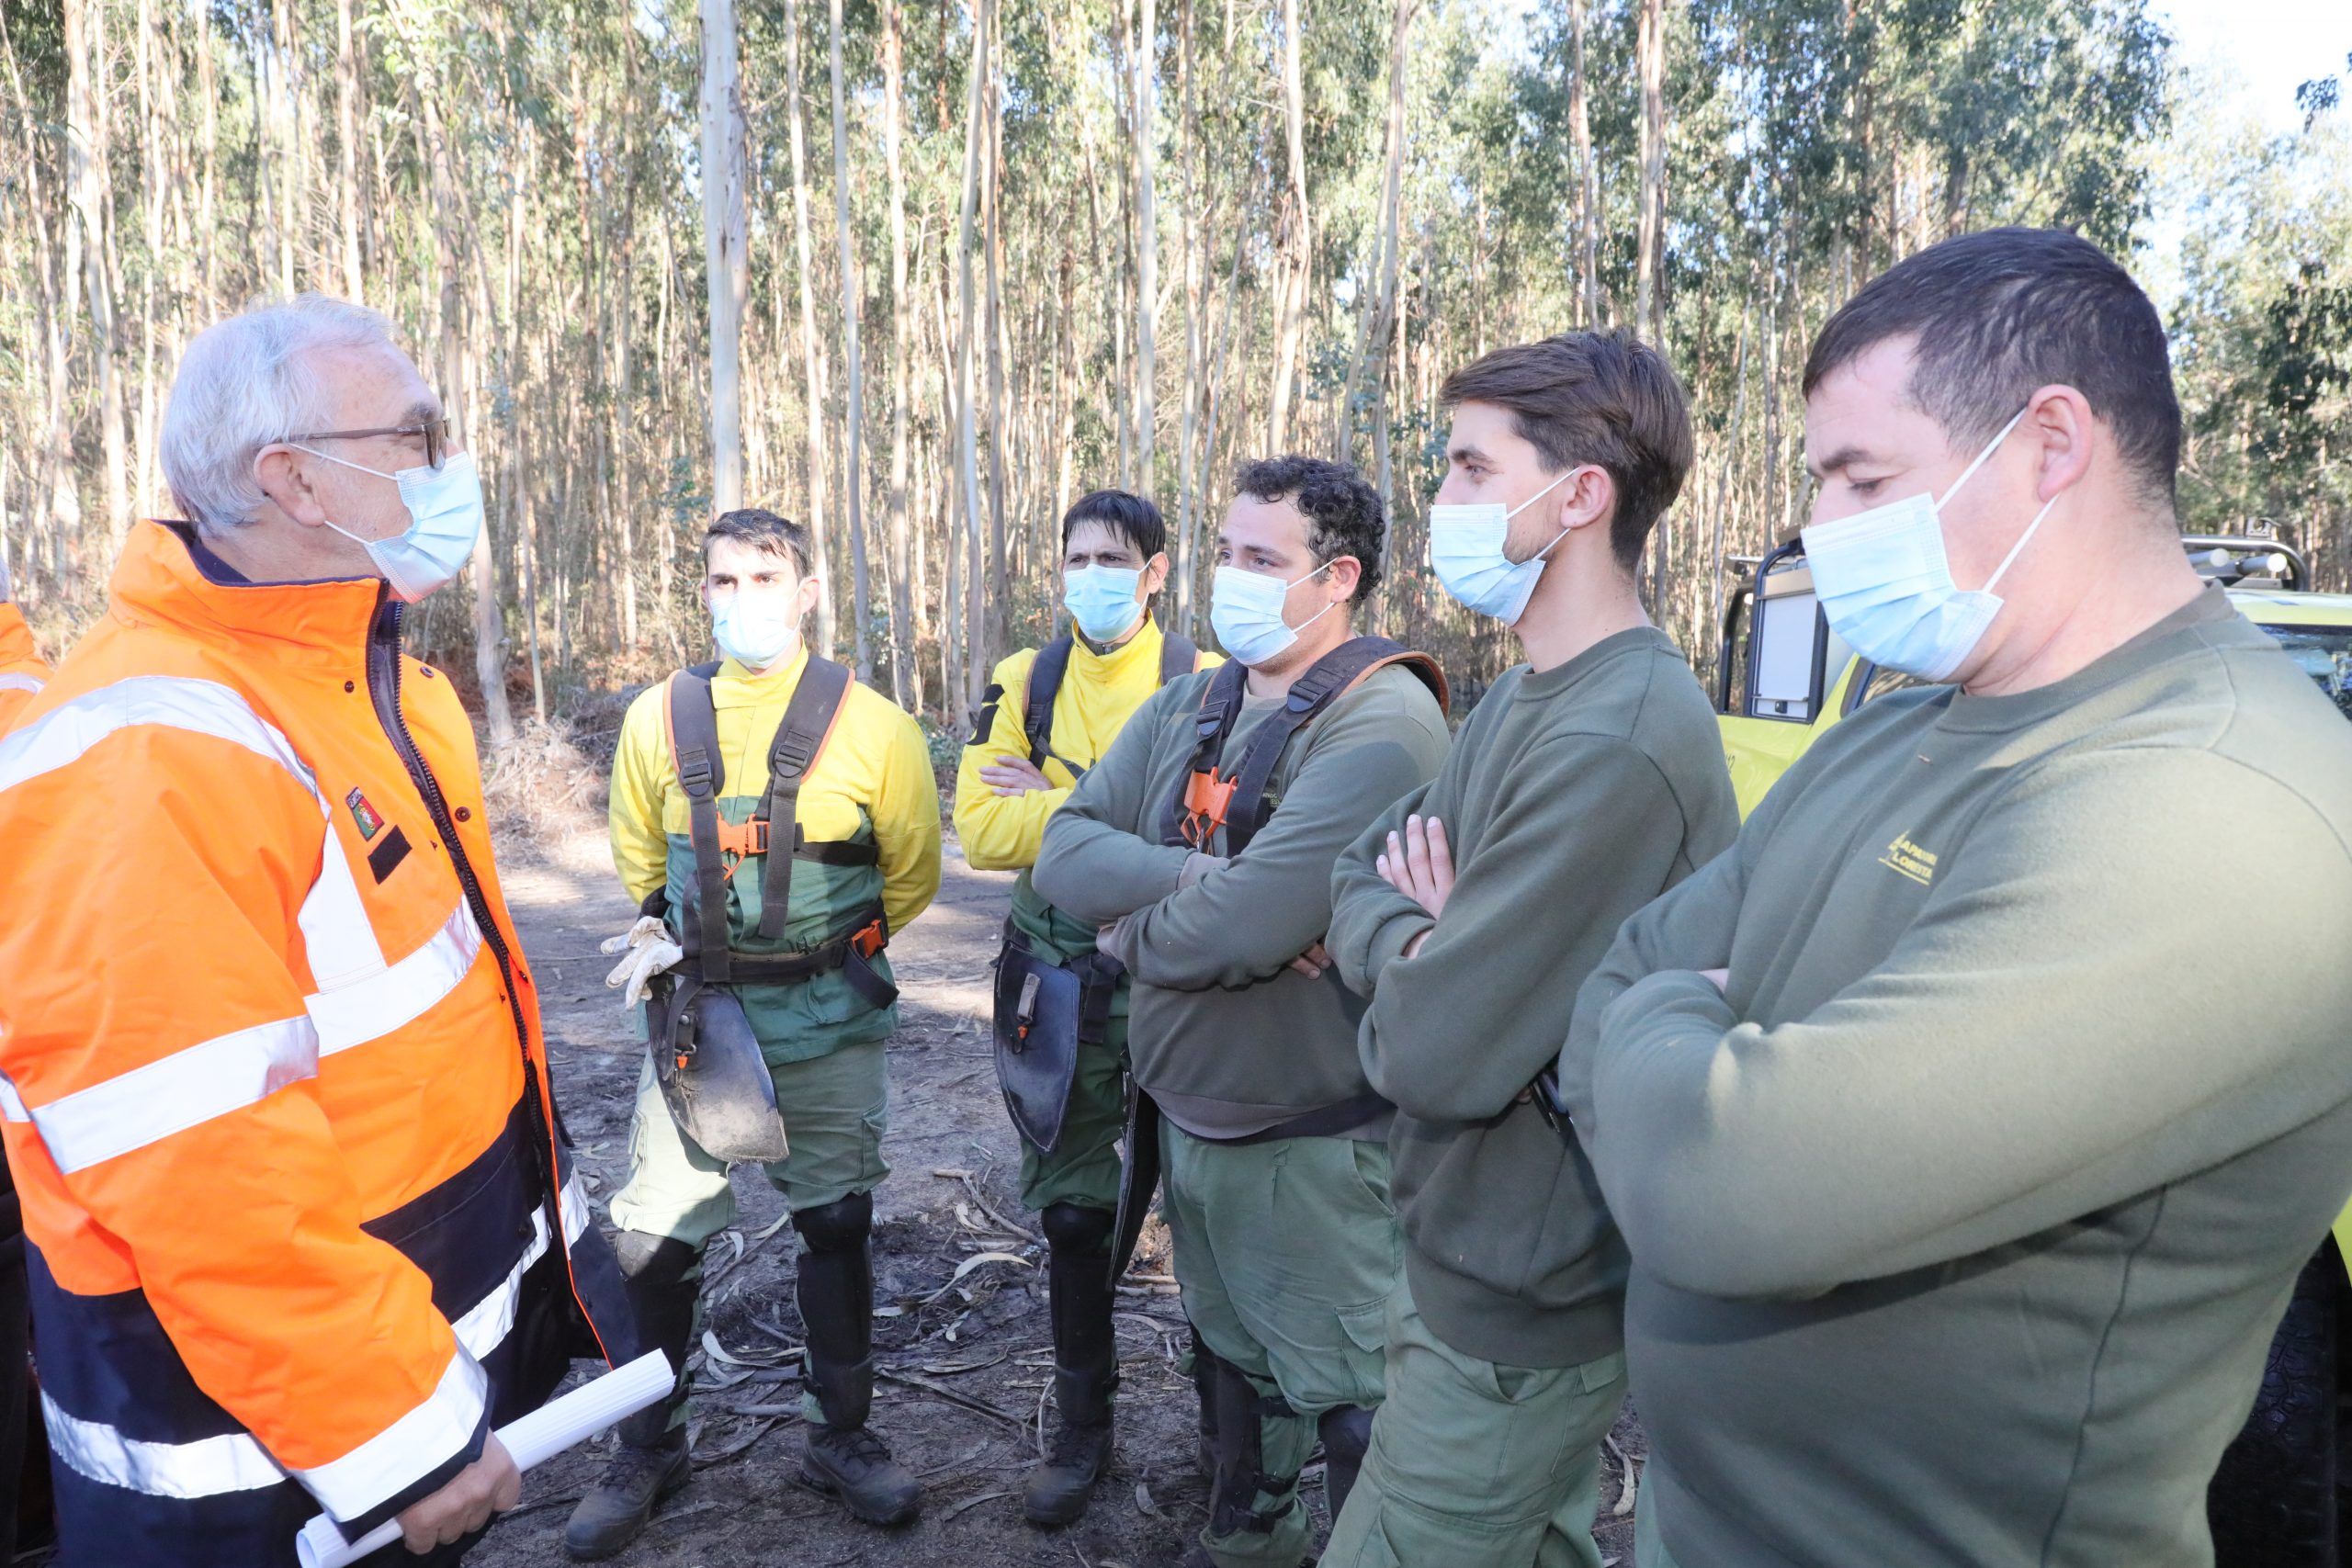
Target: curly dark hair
1343	513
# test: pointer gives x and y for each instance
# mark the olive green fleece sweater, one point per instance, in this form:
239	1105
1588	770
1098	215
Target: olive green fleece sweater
1223	1034
1961	1220
1570	799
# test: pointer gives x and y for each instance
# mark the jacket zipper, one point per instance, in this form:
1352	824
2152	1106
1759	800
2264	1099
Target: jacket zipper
384	649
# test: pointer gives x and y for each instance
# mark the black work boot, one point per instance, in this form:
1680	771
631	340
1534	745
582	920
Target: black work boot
664	1281
836	1292
1086	1365
1346	1431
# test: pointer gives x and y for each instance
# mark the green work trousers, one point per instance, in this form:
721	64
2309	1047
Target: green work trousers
1085	1167
1286	1253
1649	1550
835	1109
1477	1465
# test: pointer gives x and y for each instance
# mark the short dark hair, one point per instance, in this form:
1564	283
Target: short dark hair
1128	515
2000	312
763	530
1343	513
1604	398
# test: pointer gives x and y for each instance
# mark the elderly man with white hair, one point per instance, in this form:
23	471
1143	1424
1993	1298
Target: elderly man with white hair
301	1226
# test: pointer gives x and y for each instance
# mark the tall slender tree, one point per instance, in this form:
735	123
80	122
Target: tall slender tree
853	486
724	246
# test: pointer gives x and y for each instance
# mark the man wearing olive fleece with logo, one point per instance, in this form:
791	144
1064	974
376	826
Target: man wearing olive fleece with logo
1588	781
1962	1194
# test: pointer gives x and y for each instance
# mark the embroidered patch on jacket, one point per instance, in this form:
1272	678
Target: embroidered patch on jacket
1906	859
363	816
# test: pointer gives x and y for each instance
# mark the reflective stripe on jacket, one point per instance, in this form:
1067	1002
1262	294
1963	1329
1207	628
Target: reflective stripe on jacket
270	1074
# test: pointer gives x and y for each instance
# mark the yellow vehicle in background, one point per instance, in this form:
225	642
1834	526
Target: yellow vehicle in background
1782	677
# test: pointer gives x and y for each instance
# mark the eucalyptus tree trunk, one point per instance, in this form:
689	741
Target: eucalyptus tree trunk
1587	176
490	635
1372	336
151	132
1649	279
967	390
724	246
997	603
207	226
1291	303
852	486
53	485
906	678
1188	499
346	118
812	364
286	155
91	192
1144	98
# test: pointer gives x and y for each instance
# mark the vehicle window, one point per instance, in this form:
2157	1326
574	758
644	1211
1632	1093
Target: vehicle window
1783	637
2325	655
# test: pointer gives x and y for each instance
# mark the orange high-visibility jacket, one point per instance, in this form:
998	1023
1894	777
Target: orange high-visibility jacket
22	671
271	1074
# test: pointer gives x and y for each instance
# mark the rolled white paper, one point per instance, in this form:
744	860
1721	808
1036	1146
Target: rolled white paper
541	1435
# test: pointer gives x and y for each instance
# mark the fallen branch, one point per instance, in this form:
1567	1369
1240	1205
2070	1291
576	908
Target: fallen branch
976	1407
970	1503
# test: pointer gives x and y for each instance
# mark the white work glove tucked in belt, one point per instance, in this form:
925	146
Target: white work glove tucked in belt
649	952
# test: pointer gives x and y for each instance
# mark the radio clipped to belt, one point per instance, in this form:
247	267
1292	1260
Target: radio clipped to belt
707	1057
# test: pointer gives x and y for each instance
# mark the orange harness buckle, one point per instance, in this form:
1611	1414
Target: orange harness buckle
741	841
870	938
1207	796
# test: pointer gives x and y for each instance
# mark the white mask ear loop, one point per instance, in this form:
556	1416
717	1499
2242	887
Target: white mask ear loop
1530	501
2015	550
1538	496
1990	447
1326	609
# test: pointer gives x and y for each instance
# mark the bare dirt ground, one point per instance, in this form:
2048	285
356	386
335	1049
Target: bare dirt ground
965	1349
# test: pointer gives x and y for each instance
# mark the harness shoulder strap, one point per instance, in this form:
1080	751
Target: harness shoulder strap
694	756
808	720
1178	655
1183	822
1046	673
1334	675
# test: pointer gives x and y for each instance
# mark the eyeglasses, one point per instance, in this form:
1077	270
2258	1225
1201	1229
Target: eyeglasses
435	433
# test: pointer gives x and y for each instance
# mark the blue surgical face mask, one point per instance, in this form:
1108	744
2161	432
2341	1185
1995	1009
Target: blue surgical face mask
1101	599
1246	611
445	519
1466	547
756	629
1887	587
